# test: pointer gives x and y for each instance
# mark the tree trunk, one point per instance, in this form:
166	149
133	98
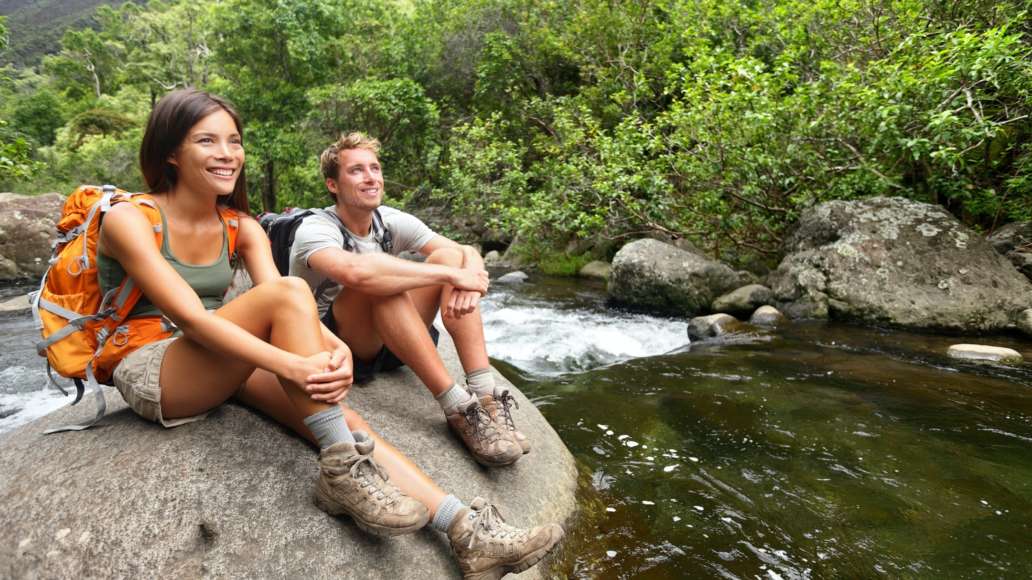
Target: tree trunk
269	187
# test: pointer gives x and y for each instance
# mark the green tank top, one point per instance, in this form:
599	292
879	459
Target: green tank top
208	281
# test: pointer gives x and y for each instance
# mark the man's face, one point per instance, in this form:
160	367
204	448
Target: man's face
359	183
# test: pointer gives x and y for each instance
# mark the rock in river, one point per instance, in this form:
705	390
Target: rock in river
230	496
766	316
899	262
516	277
744	299
983	353
652	274
596	269
713	325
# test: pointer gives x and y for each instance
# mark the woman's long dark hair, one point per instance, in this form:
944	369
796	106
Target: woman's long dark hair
168	125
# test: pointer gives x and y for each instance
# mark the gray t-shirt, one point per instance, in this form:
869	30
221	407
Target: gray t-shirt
322	230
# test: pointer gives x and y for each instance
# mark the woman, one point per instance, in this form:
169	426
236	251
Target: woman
266	347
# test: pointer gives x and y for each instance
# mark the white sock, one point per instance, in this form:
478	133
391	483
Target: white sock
453	397
329	427
481	382
449	507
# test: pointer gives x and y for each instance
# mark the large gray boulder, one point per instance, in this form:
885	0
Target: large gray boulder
652	274
1015	242
230	496
899	262
27	227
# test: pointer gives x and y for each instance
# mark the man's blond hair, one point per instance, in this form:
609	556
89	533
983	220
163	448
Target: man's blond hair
329	161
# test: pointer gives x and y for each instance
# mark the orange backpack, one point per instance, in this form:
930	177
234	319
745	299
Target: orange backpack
86	333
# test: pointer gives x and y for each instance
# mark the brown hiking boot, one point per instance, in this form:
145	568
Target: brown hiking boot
499	407
352	483
488	548
489	445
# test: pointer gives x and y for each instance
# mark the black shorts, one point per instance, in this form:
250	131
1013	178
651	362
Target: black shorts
385	360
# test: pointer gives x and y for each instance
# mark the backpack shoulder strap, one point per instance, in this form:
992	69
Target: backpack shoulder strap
123	298
381	233
231	218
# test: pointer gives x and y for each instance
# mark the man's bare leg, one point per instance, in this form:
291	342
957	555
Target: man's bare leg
467	332
367	323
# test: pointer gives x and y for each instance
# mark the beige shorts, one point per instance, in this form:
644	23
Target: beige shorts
136	377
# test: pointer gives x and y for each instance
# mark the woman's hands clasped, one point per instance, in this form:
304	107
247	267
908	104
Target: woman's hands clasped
326	376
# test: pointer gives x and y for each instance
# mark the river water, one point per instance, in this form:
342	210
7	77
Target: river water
827	451
821	451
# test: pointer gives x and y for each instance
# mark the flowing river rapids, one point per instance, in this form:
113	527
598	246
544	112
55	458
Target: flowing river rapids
821	451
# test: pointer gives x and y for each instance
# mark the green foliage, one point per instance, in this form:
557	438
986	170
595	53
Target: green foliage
15	161
569	124
37	115
396	111
97	122
555	263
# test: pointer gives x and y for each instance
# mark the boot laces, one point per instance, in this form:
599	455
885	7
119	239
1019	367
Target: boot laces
508	401
483	428
365	470
491	523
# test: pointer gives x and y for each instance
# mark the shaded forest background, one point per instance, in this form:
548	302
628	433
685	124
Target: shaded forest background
568	126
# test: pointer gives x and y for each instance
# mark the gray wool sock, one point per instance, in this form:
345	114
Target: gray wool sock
449	507
329	427
452	398
481	382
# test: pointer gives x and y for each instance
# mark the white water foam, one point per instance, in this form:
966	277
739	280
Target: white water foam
28	404
544	340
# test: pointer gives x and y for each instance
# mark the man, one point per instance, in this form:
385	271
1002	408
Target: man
383	307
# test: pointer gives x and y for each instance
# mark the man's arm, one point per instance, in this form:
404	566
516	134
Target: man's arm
471	259
382	274
461	301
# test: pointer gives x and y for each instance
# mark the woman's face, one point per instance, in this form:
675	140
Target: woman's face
211	156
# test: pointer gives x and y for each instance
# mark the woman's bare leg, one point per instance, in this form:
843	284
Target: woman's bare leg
195	379
263	392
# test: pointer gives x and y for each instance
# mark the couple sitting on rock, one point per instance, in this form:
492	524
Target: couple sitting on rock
291	355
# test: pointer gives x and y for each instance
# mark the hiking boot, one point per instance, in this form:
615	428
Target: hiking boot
352	483
488	548
499	407
489	445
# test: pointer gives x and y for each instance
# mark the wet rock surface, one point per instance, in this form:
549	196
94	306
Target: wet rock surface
651	274
898	262
230	496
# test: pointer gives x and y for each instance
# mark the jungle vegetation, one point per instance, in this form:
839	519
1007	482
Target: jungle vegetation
569	126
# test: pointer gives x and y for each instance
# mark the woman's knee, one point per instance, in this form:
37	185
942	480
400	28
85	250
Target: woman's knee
291	292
